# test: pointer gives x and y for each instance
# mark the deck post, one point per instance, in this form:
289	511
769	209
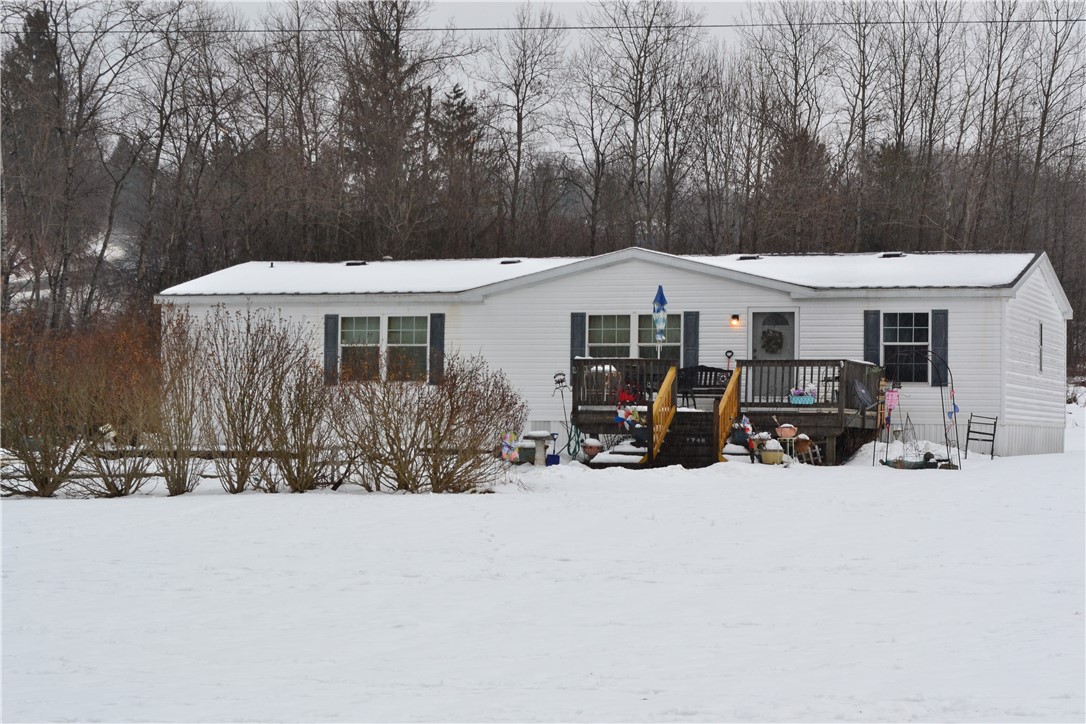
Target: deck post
831	450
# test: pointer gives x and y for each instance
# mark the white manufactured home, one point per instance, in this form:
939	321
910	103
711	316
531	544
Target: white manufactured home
986	332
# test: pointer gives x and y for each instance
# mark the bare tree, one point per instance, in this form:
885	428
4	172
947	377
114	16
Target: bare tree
592	125
524	76
635	40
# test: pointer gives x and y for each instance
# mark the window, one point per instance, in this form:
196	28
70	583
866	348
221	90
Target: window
609	335
360	350
646	338
905	340
407	348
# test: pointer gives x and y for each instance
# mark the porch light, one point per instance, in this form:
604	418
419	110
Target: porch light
735	320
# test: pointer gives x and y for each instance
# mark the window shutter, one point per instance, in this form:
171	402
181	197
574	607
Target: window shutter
437	348
872	336
331	349
578	322
939	348
691	331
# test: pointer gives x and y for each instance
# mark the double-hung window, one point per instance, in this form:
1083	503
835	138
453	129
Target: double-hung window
670	348
905	344
360	348
609	335
407	348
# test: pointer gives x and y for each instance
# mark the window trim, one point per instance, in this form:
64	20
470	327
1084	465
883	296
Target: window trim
630	335
677	345
897	343
424	346
632	330
383	346
344	346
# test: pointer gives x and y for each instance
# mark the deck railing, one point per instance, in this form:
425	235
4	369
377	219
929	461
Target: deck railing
662	411
726	412
610	381
828	384
601	384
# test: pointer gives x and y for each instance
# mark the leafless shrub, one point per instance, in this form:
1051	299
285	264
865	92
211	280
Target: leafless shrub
243	353
176	435
299	424
118	405
469	410
39	395
439	437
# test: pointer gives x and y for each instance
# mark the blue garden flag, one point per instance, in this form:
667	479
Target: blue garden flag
659	315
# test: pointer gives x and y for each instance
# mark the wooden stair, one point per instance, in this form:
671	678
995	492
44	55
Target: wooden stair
690	441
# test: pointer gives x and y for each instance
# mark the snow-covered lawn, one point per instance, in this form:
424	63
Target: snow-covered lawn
737	592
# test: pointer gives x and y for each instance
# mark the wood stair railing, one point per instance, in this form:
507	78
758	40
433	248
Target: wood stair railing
726	412
662	413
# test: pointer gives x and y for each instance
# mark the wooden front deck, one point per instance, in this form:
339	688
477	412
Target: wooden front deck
842	401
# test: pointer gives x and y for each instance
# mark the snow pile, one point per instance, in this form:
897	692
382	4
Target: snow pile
736	592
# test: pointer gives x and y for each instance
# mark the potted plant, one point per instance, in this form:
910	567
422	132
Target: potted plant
803	395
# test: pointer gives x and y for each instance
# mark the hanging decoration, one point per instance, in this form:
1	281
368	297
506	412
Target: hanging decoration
772	341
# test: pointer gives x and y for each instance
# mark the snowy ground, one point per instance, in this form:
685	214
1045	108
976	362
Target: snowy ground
737	592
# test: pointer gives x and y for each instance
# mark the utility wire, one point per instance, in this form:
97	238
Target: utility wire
506	28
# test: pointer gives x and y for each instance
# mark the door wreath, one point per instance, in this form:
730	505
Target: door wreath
772	341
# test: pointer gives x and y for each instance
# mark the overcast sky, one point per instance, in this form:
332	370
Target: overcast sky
501	14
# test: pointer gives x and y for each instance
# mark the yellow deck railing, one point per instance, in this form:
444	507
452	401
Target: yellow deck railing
726	412
663	410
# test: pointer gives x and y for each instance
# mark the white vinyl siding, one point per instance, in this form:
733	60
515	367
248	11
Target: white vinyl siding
1035	374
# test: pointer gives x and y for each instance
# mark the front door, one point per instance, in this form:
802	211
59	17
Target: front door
773	337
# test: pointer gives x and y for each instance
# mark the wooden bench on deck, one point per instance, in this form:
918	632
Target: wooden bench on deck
702	381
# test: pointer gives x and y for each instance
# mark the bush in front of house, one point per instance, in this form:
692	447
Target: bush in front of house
299	425
76	407
246	354
40	390
175	437
120	400
415	437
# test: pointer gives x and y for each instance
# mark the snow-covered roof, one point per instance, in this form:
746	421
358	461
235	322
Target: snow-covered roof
375	277
880	271
814	271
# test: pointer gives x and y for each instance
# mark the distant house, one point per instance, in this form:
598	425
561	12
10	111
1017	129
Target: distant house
997	321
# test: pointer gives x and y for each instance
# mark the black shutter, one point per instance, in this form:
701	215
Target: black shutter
872	336
437	348
331	349
691	332
577	331
939	348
